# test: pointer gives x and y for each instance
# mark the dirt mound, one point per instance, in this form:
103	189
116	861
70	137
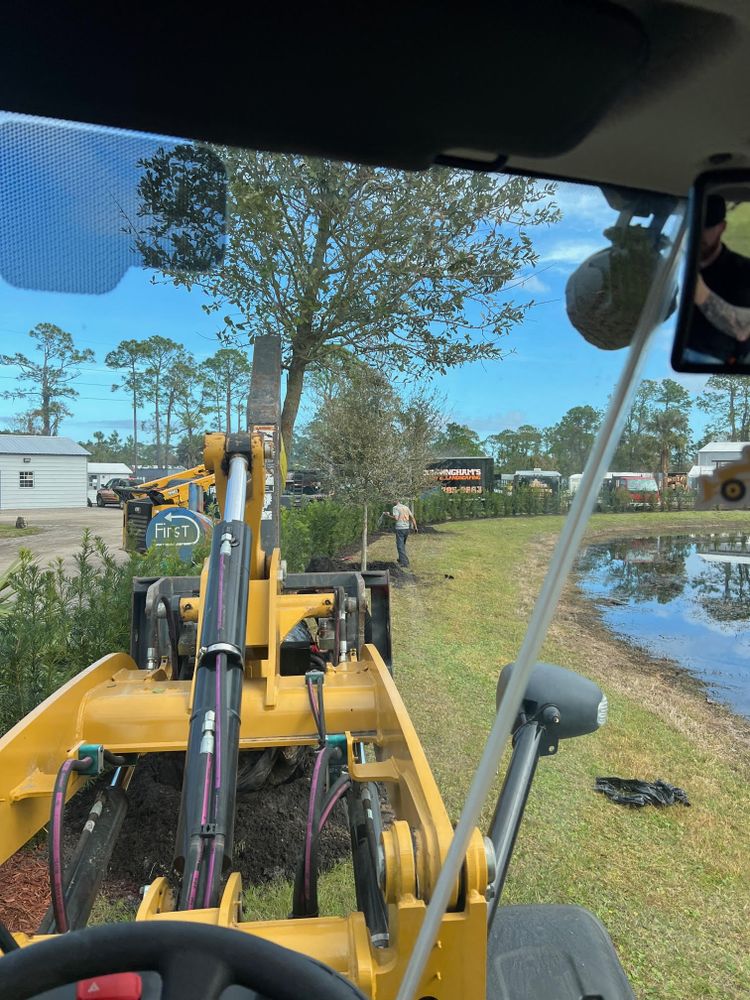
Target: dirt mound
326	564
269	829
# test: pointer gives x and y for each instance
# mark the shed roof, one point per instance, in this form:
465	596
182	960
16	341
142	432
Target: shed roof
731	446
38	444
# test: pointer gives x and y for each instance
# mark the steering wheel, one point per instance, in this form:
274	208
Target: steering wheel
194	960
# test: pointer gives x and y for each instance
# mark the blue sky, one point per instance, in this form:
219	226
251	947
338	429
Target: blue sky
548	369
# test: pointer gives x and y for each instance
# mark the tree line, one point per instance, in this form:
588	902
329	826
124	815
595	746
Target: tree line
410	272
657	436
174	397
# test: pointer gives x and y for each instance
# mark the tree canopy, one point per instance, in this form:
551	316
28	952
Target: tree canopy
410	271
46	380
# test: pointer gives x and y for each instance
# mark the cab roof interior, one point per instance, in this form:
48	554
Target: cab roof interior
642	93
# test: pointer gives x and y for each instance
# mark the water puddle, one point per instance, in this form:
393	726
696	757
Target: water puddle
686	597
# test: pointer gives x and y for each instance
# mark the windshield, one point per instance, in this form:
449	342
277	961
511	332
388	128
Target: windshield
453	345
642	485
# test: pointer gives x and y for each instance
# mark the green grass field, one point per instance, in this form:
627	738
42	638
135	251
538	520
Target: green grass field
672	886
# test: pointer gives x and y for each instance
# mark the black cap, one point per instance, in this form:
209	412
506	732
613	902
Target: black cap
716	210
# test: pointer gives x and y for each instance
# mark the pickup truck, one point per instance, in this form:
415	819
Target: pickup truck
111	494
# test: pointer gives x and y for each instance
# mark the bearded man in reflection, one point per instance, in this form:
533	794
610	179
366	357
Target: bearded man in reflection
720	327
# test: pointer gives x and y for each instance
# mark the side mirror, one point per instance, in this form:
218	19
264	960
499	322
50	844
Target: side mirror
580	704
713	325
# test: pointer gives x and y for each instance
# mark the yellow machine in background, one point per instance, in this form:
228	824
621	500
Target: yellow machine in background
142	503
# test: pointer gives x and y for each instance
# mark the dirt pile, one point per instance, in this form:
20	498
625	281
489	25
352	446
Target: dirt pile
325	564
268	832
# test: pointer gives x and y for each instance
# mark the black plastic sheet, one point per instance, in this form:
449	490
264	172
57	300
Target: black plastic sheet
633	792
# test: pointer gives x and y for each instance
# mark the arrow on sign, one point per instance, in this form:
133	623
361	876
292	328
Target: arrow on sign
180	528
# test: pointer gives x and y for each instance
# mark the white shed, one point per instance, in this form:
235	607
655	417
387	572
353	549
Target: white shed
37	471
712	456
717	453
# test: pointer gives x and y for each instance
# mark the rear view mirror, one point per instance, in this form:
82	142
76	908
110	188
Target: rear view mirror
713	326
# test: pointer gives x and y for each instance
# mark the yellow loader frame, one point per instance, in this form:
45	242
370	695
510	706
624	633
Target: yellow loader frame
135	711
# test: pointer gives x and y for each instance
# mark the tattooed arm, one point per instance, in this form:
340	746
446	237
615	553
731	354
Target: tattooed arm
729	319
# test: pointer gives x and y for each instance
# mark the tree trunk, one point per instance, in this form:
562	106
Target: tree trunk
135	429
664	473
229	408
46	422
363	559
732	415
157	427
167	433
294	383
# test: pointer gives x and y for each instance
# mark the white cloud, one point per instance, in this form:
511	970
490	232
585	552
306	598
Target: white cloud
583	203
571	251
533	284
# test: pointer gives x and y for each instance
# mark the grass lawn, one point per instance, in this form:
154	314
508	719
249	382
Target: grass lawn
672	886
10	531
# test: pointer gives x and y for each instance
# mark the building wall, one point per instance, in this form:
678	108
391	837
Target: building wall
59	481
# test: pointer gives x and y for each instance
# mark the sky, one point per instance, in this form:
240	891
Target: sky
547	368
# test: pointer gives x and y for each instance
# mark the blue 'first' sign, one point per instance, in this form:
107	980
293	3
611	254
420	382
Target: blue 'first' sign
180	528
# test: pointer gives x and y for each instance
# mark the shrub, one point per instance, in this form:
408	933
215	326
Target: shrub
55	623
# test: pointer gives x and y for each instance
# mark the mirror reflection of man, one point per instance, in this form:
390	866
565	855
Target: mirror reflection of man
720	326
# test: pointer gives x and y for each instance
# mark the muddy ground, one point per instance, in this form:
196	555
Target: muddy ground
615	662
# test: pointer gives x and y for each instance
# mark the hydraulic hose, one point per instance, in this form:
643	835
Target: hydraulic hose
305	897
55	838
336	793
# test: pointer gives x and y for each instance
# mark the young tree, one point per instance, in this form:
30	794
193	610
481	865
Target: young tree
457	440
409	270
46	379
370	445
130	357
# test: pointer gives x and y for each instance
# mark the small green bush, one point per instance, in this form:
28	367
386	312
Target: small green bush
55	623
